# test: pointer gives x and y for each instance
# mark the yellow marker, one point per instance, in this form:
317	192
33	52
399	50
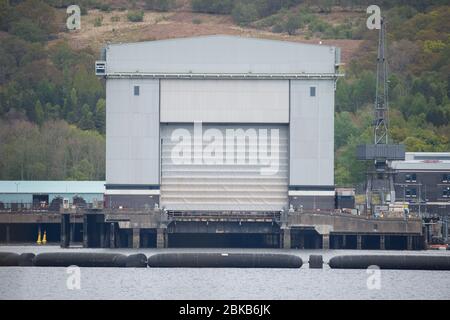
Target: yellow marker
39	237
44	238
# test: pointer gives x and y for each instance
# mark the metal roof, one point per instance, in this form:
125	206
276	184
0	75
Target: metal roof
429	161
427	156
220	55
79	187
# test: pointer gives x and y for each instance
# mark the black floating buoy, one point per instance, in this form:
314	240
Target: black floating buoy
9	259
425	262
26	259
224	260
315	261
138	260
80	259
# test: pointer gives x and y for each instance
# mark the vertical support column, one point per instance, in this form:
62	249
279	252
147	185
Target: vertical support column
85	232
358	242
344	241
317	242
102	235
145	243
326	241
129	236
8	234
286	238
382	242
301	238
65	230
136	238
161	238
112	235
409	245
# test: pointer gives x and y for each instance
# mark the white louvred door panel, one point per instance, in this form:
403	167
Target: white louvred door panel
248	174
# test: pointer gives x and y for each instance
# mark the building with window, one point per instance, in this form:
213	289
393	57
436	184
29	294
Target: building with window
179	111
17	195
423	181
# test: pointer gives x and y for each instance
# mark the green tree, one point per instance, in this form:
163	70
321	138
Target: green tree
100	114
39	113
28	30
244	13
160	5
87	118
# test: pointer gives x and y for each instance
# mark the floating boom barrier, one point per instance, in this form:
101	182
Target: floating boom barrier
223	260
405	262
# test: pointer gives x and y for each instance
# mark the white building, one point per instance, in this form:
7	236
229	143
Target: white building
270	102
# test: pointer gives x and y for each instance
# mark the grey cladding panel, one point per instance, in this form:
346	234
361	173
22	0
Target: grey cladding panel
229	101
220	54
132	132
311	133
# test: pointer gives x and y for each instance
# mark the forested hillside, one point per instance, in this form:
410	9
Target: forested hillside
52	107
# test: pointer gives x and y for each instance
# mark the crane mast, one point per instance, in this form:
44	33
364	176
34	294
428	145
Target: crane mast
381	125
380	191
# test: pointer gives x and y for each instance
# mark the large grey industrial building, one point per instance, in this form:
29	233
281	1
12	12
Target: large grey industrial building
279	95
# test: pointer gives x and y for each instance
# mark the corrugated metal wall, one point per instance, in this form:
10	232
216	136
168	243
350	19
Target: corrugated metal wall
225	101
219	185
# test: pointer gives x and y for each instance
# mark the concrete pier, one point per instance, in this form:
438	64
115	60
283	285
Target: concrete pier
65	230
286	234
359	242
112	235
161	238
326	241
102	235
382	242
85	231
409	245
151	228
136	238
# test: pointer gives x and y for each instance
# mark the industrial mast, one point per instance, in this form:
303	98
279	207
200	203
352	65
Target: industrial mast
380	182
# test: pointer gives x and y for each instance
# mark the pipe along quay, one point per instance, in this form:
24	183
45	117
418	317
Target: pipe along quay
220	260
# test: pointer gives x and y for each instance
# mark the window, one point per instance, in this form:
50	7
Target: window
411	177
446	178
411	193
312	91
136	90
446	192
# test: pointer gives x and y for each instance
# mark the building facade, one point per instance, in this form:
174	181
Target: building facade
423	181
220	123
41	194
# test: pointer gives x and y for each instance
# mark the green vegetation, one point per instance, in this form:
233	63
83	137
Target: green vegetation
419	56
52	151
160	5
46	94
98	21
135	15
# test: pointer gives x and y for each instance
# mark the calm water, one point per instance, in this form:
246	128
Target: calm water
189	283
